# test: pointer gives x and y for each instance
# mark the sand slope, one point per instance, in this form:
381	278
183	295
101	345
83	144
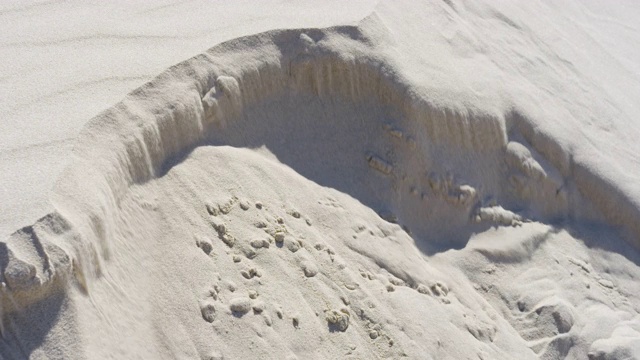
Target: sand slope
365	191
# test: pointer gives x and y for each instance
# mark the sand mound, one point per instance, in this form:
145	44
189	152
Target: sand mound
295	194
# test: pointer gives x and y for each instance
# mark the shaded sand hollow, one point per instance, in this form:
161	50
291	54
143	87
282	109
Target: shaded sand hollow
302	194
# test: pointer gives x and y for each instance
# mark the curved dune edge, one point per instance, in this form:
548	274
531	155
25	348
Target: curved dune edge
133	142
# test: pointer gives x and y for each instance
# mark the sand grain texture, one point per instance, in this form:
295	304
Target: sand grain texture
433	181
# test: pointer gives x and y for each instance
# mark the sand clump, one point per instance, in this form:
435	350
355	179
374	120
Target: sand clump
208	311
240	305
338	319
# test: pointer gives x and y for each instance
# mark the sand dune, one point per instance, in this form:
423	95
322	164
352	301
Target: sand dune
321	193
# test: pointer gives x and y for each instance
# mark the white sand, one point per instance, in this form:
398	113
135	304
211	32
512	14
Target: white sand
423	179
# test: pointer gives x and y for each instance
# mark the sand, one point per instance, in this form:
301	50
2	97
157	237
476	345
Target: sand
424	180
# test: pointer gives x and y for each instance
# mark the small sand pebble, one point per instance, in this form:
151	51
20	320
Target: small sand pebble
293	245
338	319
212	209
205	245
249	274
306	40
379	164
422	289
228	239
439	289
208	311
226	208
240	305
309	269
260	243
258	205
279	237
219	226
258	307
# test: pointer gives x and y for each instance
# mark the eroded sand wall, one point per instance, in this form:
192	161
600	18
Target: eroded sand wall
137	139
